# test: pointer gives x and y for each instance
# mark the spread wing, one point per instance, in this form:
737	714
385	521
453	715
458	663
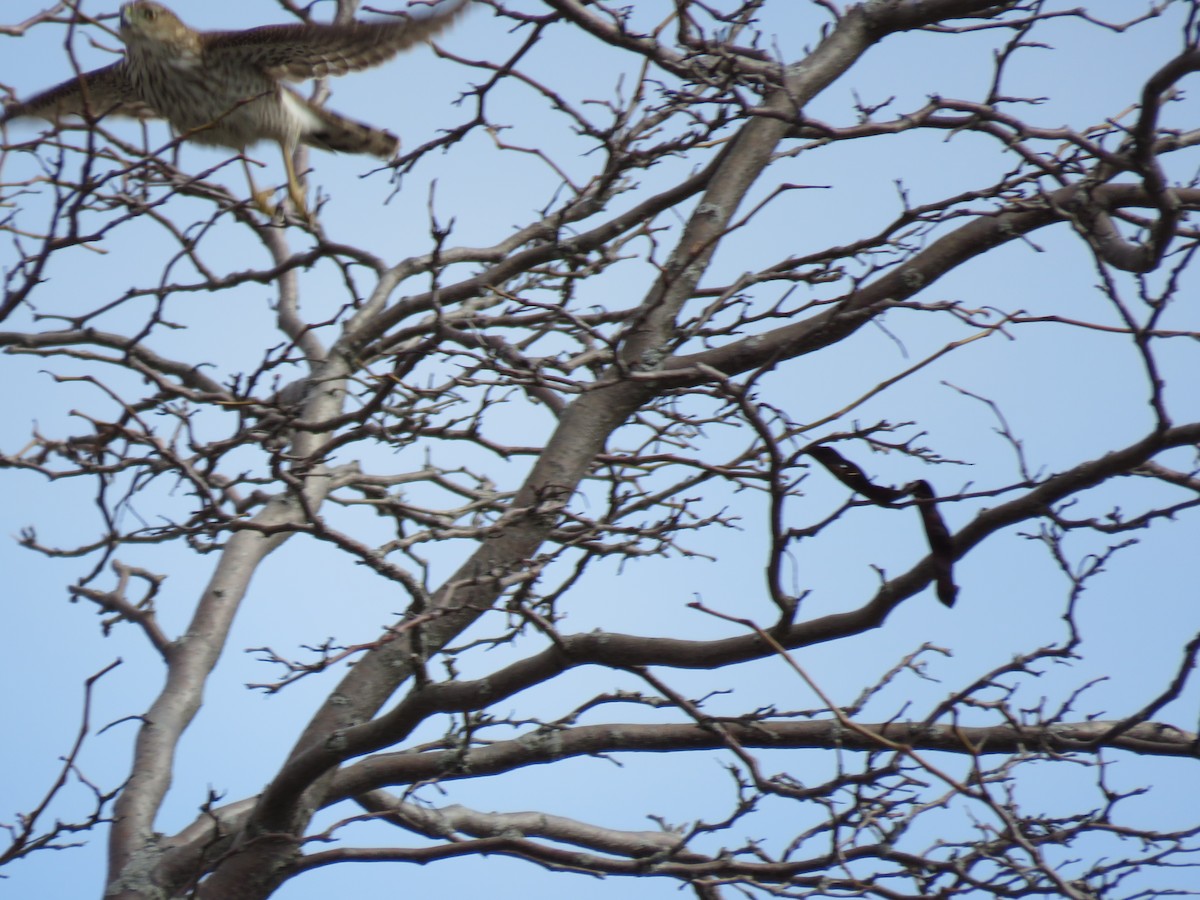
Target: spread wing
106	91
296	52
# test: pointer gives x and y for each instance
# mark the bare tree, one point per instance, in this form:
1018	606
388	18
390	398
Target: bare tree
645	404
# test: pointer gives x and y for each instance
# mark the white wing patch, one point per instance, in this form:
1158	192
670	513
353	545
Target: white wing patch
301	113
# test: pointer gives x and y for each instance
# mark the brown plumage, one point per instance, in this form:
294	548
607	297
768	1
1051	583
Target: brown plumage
226	87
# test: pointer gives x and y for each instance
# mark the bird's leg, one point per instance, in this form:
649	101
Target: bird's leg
296	192
260	197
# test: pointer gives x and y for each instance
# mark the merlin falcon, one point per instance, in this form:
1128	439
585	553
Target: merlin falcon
227	87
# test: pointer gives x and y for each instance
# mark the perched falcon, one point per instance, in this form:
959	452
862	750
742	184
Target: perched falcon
226	87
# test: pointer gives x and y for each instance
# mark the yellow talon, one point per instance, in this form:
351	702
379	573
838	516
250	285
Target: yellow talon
296	192
262	198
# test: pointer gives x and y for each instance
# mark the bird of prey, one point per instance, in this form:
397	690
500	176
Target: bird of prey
226	87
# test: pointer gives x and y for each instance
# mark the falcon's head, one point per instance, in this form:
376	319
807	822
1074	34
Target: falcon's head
145	21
